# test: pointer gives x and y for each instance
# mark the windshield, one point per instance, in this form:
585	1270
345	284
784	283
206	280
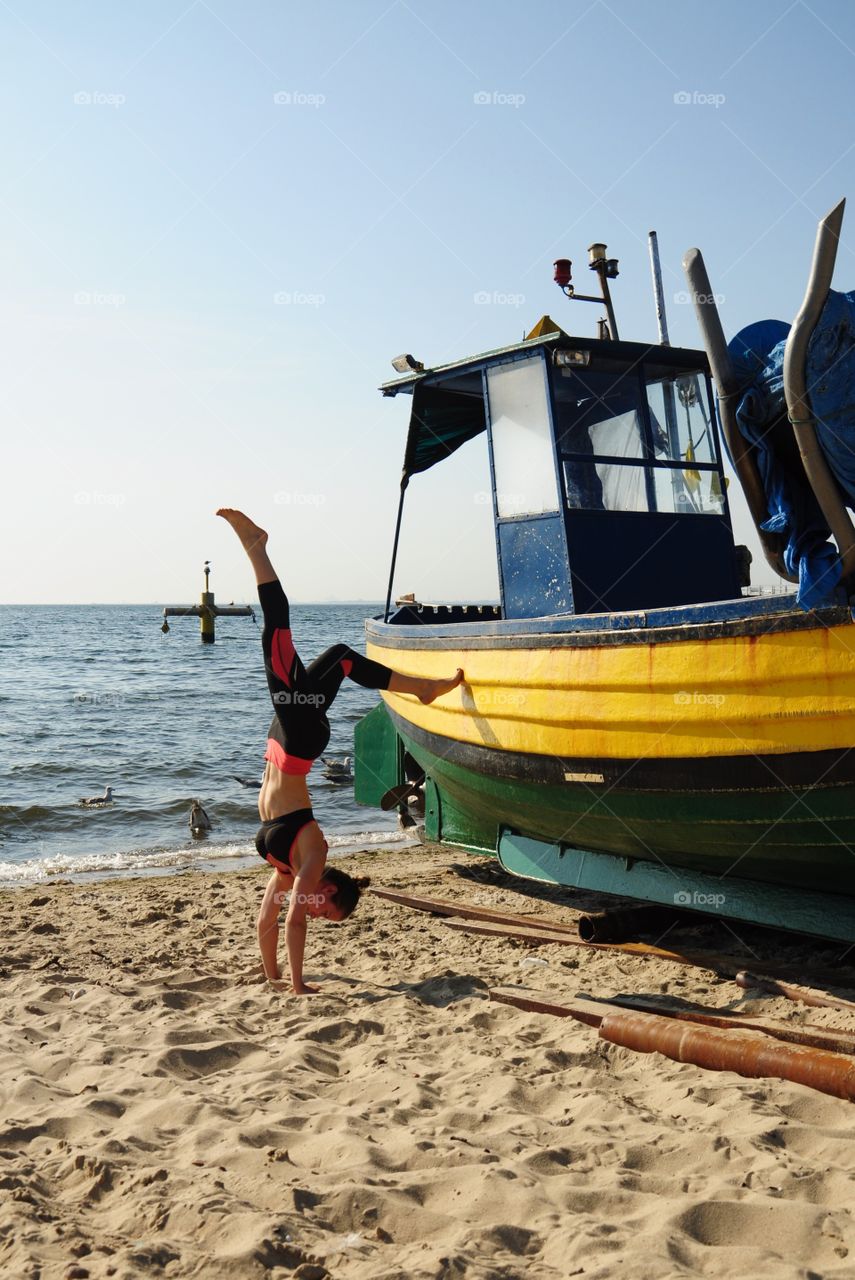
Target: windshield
633	441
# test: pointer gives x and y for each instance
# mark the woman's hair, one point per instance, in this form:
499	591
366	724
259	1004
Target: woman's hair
348	889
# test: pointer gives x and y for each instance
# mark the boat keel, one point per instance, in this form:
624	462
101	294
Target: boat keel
822	915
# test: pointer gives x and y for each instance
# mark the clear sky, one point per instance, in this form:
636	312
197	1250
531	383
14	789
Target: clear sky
219	220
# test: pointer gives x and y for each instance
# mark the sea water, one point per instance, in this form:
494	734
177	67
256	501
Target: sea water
96	695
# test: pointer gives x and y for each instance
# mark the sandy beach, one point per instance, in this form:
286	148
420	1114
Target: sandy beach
166	1113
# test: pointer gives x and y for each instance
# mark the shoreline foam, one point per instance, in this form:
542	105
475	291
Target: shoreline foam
203	856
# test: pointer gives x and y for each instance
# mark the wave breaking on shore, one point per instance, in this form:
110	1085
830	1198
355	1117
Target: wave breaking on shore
198	856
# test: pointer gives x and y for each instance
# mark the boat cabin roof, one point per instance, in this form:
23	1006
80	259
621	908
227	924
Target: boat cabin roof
549	335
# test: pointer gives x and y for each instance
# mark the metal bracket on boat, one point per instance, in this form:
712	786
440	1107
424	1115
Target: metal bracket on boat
798	402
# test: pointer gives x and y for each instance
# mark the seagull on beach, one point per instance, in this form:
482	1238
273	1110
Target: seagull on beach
98	802
200	823
338	771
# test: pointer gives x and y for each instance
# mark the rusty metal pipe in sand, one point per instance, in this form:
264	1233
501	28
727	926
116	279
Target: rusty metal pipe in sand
743	1052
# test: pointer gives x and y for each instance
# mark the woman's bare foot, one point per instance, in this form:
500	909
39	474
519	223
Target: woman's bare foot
436	688
252	538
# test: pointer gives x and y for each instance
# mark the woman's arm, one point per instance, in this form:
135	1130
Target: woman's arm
303	892
268	924
295	941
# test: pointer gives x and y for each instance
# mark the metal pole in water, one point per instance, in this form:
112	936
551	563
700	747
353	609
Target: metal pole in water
207	613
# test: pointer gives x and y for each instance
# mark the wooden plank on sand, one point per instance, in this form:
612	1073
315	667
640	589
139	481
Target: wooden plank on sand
443	907
733	1049
541	931
793	991
592	1009
540	938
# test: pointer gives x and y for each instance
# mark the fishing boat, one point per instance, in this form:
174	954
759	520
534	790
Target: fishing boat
633	719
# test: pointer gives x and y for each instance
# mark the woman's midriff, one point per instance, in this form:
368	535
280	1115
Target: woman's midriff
281	793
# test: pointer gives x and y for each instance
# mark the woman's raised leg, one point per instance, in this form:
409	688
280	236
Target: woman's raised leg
327	669
254	542
327	672
425	690
285	671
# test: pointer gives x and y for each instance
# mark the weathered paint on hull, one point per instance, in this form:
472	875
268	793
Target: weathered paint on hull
758	694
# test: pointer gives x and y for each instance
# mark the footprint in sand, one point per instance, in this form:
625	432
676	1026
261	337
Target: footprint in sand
180	1000
107	1107
210	984
343	1032
549	1163
516	1240
781	1228
191	1036
189	1064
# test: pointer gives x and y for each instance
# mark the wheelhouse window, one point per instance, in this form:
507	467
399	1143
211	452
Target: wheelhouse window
523	459
681	419
637	439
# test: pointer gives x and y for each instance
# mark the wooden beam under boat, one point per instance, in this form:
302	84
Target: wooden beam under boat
543	931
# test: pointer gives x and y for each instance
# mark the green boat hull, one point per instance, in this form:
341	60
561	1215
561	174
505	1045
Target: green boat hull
802	837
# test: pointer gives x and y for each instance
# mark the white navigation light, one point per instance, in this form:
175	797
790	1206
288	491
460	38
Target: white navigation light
407	364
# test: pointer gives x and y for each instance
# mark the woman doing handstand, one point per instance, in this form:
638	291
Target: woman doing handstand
289	837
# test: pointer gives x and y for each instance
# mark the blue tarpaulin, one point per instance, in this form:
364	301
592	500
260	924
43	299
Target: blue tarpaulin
758	354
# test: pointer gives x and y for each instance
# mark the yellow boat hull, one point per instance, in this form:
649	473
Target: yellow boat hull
742	695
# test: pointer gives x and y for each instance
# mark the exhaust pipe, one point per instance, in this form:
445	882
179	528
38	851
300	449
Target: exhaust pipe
798	403
728	390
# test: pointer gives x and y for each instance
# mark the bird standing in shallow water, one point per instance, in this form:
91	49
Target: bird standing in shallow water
337	770
200	823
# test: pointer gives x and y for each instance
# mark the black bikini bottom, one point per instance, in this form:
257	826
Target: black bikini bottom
275	838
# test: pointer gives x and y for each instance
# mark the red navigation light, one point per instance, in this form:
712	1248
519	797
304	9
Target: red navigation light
562	272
